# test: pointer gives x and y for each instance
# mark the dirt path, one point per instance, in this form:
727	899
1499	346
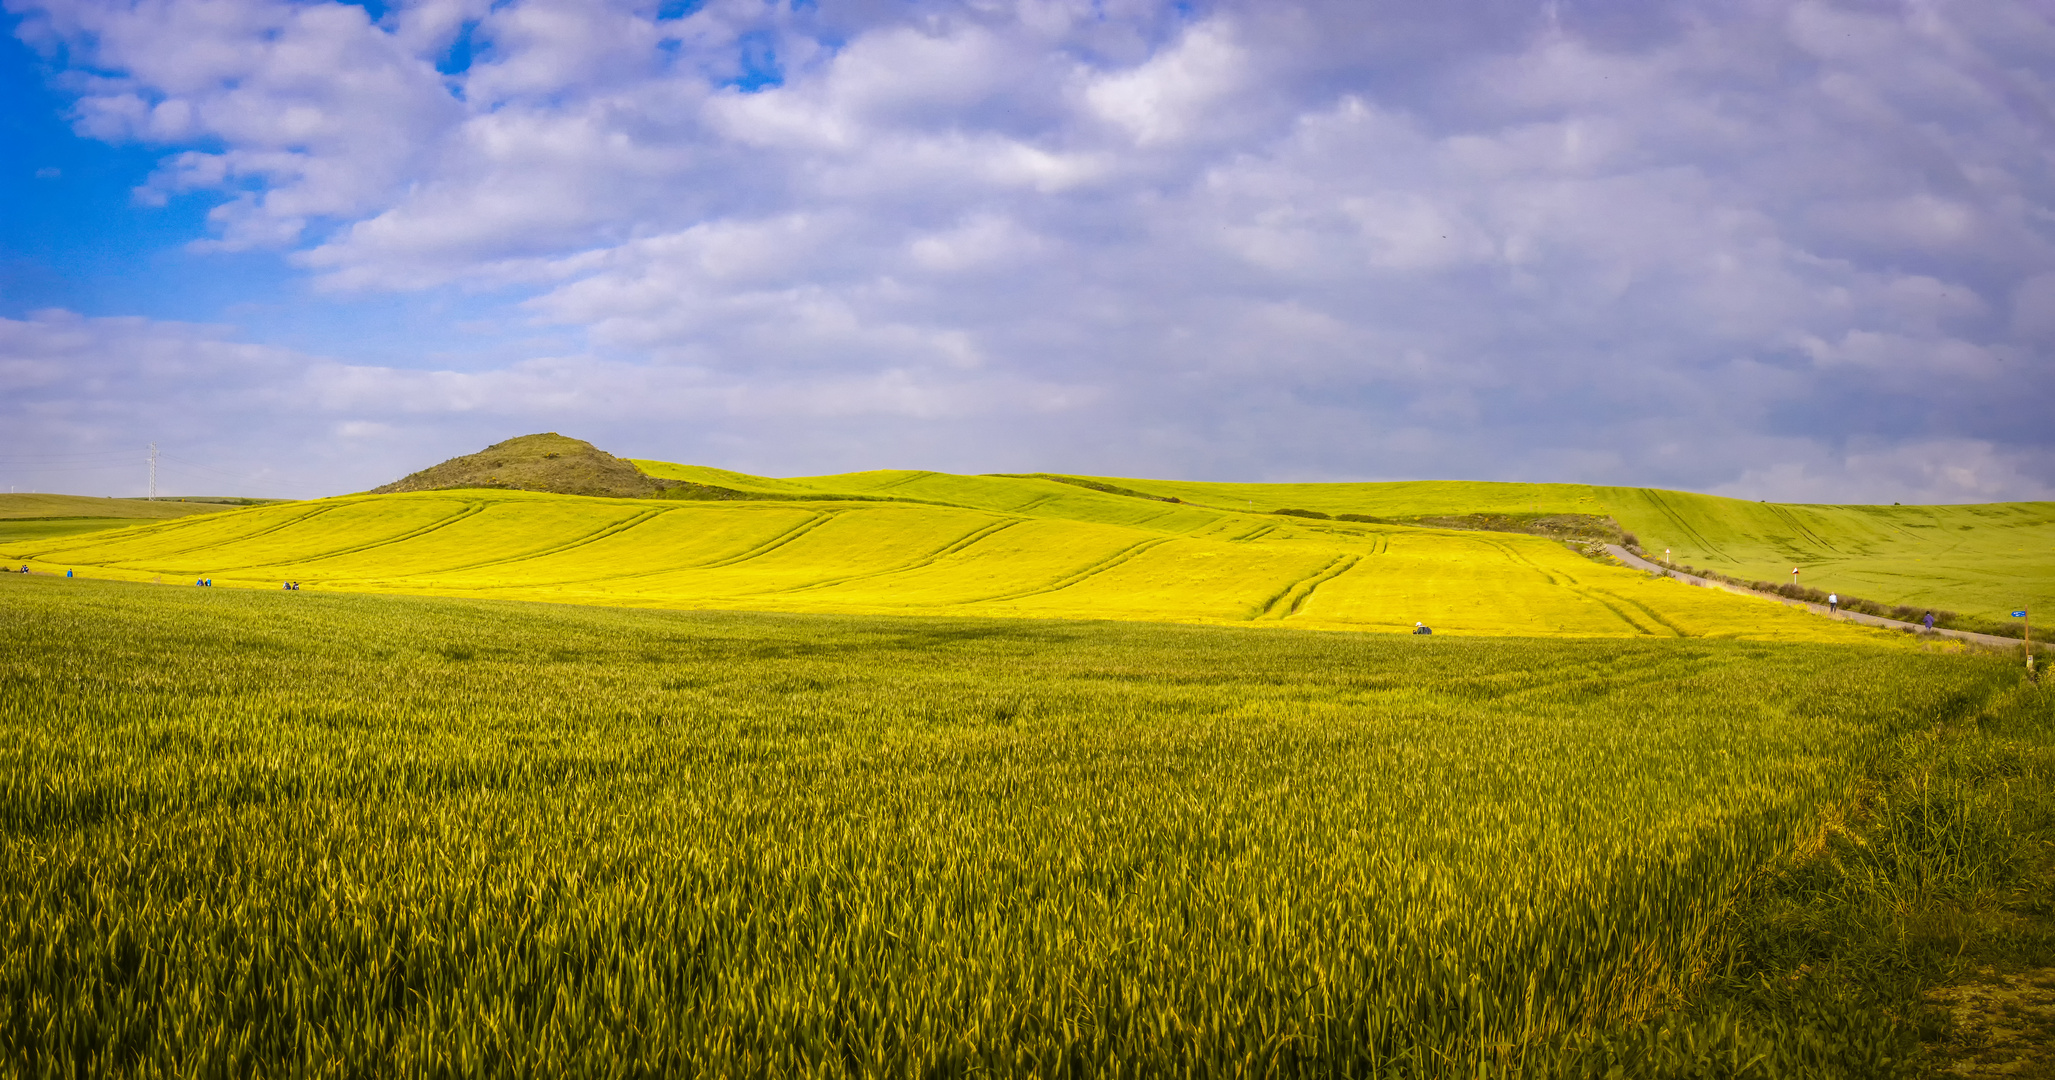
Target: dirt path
1639	563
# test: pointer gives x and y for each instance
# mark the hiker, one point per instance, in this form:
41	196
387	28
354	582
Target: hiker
24	568
67	573
1929	620
1833	603
1421	628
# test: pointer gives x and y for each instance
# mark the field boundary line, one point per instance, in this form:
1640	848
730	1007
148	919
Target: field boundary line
1109	562
1637	562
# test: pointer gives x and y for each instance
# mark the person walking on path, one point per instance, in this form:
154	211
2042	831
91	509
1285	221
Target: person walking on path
1929	620
1833	603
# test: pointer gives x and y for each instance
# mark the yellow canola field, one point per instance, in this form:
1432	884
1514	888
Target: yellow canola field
1059	552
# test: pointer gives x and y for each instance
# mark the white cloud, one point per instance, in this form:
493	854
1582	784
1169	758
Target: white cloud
99	389
1177	93
1926	471
1658	243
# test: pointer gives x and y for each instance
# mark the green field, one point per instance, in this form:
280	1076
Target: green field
928	543
269	833
33	518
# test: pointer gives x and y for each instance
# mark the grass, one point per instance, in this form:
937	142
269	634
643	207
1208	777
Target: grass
542	462
972	546
1913	935
253	832
19	507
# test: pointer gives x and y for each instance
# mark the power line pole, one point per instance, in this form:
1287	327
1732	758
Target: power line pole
153	472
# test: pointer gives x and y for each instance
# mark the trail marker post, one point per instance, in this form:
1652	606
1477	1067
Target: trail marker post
2028	628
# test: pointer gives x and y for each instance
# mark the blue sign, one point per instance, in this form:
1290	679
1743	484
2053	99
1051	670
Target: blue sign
2019	614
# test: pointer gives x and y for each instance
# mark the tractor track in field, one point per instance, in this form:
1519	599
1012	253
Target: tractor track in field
1516	556
1800	528
1292	597
967	540
768	546
1596	595
1653	614
818	518
470	510
1605	600
1117	558
297	519
613	529
1684	526
142	529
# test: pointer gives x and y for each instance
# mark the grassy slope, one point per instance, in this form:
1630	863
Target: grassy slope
19	507
1008	547
542	462
1978	559
565	842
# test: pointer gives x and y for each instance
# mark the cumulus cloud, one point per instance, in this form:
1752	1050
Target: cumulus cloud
79	398
1782	247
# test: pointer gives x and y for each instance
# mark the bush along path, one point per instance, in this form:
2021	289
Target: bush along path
1639	563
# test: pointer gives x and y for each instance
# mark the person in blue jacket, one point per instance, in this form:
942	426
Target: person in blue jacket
1421	628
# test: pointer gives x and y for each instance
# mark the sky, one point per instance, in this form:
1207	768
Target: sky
1797	251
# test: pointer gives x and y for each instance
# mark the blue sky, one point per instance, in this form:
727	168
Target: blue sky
1786	250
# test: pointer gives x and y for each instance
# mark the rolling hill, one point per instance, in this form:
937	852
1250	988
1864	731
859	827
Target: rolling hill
1980	558
1983	558
1056	551
1374	557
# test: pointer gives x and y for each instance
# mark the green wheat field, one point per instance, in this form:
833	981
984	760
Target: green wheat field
781	789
